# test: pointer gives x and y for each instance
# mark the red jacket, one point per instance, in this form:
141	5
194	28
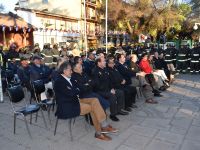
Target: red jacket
145	66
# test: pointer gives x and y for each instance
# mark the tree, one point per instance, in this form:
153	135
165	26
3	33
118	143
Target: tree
195	8
152	17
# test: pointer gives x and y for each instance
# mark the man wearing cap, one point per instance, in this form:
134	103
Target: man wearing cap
42	72
23	73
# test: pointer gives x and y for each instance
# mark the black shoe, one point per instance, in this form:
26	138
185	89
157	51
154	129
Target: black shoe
114	118
123	113
128	109
162	88
157	95
156	91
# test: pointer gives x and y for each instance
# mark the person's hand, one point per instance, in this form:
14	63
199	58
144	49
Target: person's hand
123	82
142	73
113	91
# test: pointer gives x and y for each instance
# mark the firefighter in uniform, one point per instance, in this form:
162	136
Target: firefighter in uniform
174	55
182	59
169	58
47	55
194	63
188	57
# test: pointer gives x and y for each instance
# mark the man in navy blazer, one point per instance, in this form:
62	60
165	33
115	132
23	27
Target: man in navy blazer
69	105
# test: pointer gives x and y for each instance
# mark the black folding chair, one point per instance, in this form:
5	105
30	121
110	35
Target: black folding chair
38	88
16	95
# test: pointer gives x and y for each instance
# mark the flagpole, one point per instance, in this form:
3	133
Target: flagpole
106	26
85	28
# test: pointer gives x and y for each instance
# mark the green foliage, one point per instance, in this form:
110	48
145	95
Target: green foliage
147	16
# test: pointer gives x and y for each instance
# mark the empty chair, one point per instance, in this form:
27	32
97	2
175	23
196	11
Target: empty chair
16	95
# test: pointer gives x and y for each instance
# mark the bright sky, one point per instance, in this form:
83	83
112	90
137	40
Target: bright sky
9	4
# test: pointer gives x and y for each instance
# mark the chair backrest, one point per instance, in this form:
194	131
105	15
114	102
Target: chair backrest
38	86
9	75
16	93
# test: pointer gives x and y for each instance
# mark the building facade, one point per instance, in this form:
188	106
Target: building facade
61	21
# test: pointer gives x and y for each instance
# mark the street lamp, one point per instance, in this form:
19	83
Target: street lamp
196	26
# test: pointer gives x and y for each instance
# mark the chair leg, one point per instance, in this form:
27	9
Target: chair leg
87	124
27	127
56	126
30	118
30	100
45	123
48	110
70	130
36	116
53	107
15	123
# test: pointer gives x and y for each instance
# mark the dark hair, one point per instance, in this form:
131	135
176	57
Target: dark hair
98	59
76	58
63	67
74	66
119	56
109	59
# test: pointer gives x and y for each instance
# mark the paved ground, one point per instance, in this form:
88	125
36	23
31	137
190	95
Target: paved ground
173	124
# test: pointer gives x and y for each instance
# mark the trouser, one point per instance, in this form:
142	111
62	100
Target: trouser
116	101
158	82
92	106
171	67
47	86
146	88
194	67
104	103
160	73
130	95
147	92
182	66
174	63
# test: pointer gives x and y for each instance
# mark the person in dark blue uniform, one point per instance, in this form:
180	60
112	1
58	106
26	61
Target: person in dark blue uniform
118	82
104	88
85	84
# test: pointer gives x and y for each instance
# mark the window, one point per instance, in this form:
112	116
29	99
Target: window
44	1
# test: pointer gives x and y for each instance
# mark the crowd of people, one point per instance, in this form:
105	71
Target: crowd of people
100	81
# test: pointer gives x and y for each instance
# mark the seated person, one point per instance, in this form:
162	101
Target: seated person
140	80
158	73
118	82
85	85
69	105
23	73
38	71
103	87
145	66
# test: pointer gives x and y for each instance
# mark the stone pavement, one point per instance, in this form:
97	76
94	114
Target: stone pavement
173	124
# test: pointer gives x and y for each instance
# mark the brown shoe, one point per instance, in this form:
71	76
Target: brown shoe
151	101
109	129
103	137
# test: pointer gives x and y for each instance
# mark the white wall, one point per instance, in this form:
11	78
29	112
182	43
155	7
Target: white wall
71	8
